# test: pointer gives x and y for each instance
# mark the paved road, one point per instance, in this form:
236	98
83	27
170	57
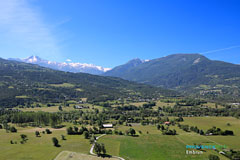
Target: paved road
91	150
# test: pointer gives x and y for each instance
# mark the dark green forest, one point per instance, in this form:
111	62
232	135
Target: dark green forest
191	74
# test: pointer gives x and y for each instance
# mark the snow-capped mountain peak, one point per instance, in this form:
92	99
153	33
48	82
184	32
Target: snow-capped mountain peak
65	66
32	59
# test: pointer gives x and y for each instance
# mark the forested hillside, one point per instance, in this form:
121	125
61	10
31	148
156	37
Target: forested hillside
188	73
25	83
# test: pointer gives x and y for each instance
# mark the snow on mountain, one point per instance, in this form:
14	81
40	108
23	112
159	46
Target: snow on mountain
146	60
125	67
65	66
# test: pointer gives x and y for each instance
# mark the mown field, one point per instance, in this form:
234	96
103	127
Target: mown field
150	144
39	148
205	123
156	146
55	108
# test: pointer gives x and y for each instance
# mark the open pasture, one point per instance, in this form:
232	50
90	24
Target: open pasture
152	145
39	148
225	123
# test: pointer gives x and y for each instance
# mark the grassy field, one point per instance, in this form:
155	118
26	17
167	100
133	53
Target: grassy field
158	104
154	145
149	145
212	105
138	104
67	85
44	108
206	123
21	97
39	148
161	104
66	155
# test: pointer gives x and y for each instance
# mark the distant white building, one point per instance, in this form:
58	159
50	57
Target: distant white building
79	107
235	104
107	126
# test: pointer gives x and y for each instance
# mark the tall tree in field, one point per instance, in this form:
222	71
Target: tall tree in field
98	149
37	133
103	149
132	131
55	142
13	129
24	138
86	134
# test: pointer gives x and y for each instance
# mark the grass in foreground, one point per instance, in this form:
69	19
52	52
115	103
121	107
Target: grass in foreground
151	146
66	155
155	146
206	123
39	148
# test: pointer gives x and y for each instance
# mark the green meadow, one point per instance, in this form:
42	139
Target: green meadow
39	148
154	145
55	108
220	122
149	144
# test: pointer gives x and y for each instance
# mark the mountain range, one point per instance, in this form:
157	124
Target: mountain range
22	83
192	74
65	66
121	70
189	74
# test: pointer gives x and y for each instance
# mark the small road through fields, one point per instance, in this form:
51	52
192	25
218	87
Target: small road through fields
92	148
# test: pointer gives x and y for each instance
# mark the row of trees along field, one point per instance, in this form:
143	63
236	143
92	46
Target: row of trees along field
31	118
198	111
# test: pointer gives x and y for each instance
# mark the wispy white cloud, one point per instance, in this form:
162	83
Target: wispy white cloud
68	60
222	49
23	25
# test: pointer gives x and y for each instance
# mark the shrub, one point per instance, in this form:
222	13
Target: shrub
13	129
86	134
70	131
63	137
24	138
55	142
48	131
37	133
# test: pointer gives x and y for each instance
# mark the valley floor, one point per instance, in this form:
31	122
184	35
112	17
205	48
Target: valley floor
149	145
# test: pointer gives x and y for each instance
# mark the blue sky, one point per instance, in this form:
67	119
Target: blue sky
111	32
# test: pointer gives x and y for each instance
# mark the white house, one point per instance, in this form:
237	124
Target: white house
107	126
79	107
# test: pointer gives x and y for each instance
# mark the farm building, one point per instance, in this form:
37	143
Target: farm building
79	107
107	126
